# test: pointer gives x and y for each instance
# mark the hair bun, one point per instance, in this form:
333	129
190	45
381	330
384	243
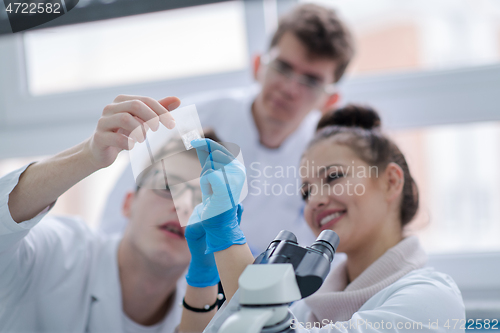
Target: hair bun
351	115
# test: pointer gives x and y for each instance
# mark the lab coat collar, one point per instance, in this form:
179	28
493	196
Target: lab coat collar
338	301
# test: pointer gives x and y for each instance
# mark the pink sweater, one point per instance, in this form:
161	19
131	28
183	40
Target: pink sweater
338	301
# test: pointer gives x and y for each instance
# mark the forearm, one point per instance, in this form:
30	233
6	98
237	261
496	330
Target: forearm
231	262
43	182
198	297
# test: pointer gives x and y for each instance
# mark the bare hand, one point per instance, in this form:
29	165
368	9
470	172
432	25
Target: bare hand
115	129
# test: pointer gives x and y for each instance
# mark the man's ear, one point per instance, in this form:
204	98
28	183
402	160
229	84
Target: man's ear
395	181
330	103
127	204
256	66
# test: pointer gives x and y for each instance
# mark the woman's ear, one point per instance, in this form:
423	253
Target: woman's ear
256	66
330	103
127	204
395	181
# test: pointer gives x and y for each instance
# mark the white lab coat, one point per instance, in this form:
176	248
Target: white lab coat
59	276
228	112
421	296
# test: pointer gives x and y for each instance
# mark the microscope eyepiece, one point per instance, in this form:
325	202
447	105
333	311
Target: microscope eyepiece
327	243
311	264
286	236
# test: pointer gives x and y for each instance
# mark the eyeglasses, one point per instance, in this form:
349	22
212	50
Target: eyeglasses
310	83
157	182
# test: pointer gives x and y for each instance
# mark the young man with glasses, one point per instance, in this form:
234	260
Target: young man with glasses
273	121
57	275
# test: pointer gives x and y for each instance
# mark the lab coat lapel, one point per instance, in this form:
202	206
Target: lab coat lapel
106	306
338	301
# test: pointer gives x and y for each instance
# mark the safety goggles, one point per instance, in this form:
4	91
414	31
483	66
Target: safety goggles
156	180
284	71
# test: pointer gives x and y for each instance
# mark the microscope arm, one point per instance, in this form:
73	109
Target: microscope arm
264	295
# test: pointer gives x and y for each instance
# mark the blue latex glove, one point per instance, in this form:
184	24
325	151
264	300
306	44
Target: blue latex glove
222	180
202	270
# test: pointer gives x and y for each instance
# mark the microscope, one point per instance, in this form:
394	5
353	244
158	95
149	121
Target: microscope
284	273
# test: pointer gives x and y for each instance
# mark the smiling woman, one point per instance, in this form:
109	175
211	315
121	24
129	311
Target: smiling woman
382	279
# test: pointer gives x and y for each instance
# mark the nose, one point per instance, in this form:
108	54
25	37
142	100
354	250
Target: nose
318	199
184	205
291	86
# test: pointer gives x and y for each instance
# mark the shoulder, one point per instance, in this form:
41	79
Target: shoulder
423	290
62	226
222	101
429	279
69	234
232	95
59	246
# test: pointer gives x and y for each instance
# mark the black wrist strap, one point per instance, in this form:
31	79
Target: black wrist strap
206	308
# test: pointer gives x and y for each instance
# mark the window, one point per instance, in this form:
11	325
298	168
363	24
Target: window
396	35
56	81
150	47
456	170
451	47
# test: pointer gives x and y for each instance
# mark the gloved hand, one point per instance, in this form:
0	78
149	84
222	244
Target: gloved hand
222	180
202	270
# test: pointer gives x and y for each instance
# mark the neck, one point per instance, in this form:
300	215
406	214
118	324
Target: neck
147	290
360	259
272	133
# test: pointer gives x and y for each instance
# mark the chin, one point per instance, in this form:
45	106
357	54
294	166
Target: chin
168	259
315	230
277	113
168	255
